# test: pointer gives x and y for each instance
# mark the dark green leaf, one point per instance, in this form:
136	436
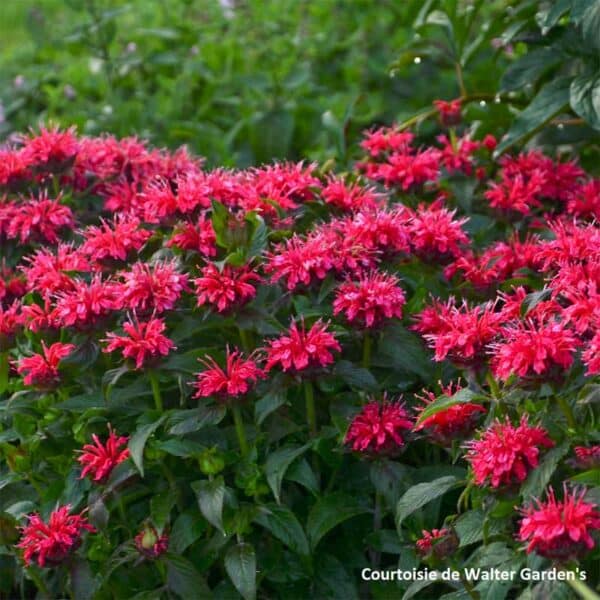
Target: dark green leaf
210	495
240	564
183	422
355	376
269	403
138	440
585	96
184	580
539	477
187	529
278	463
284	525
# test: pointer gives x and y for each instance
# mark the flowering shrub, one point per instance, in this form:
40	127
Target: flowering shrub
222	383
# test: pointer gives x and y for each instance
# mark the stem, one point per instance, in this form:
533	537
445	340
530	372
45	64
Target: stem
567	411
366	356
156	390
377	518
239	430
466	583
4	370
244	339
494	387
311	413
460	79
39	582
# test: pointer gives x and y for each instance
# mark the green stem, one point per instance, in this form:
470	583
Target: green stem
583	590
311	413
567	411
4	370
39	582
244	339
460	79
156	390
494	387
366	355
239	430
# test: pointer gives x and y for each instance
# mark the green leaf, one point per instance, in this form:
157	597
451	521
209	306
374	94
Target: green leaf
160	508
183	422
557	10
441	403
335	578
138	440
421	494
529	68
184	580
590	25
210	495
187	529
328	512
539	477
402	349
240	564
588	478
585	97
83	582
416	586
355	376
552	99
278	463
284	525
268	404
219	218
469	527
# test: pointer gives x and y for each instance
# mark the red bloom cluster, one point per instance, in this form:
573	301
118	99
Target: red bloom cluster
302	349
41	370
449	112
560	529
379	428
150	544
440	543
143	342
48	544
504	454
100	459
587	457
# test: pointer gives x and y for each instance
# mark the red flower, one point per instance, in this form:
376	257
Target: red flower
349	197
375	297
149	288
239	375
13	166
39	219
85	303
560	529
591	355
533	348
143	342
455	422
587	457
585	200
378	428
99	459
116	240
150	544
504	454
516	193
41	370
385	139
10	322
449	112
439	542
197	238
48	544
301	349
226	289
51	146
407	170
457	156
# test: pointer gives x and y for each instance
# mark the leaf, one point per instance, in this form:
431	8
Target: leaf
187	529
183	422
590	25
441	403
421	494
405	350
557	10
210	495
355	376
138	440
585	97
588	478
160	508
219	218
529	68
551	99
416	586
83	583
240	564
268	404
469	527
278	463
328	512
284	525
184	579
333	575
539	478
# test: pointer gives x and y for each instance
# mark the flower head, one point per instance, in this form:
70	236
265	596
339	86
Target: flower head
587	457
50	146
100	459
449	112
504	454
560	529
150	544
440	543
226	289
301	349
48	544
375	298
41	370
199	237
591	355
236	379
143	343
379	428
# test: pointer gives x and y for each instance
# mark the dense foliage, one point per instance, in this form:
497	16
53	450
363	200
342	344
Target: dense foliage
218	382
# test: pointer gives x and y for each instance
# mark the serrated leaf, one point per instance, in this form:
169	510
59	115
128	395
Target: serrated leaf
441	403
529	68
83	582
539	477
469	527
187	528
328	512
355	376
184	579
284	525
590	25
160	508
210	495
278	463
268	404
240	564
421	494
585	96
183	422
138	440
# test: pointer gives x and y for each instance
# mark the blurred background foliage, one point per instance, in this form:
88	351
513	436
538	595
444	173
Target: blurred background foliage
246	81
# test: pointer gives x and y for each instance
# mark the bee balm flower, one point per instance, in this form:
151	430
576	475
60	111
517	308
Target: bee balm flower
41	370
100	459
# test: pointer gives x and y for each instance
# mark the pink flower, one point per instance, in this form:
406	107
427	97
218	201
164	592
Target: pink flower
149	288
374	298
48	544
449	112
143	342
226	289
197	238
560	529
531	348
587	457
50	146
236	379
349	196
439	542
386	139
151	545
41	370
379	428
100	459
301	349
591	355
504	454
